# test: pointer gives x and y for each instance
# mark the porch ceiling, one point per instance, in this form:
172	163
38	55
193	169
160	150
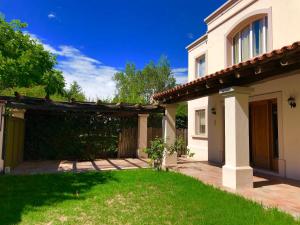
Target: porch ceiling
271	64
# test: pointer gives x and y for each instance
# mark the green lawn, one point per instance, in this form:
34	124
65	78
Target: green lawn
125	197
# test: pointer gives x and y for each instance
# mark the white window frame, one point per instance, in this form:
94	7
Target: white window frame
197	65
201	135
265	40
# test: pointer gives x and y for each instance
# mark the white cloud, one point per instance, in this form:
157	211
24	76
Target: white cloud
93	76
51	15
181	75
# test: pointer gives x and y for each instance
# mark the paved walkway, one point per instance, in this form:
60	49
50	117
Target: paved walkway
34	167
269	190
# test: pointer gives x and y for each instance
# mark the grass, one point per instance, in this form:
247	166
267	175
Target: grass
125	197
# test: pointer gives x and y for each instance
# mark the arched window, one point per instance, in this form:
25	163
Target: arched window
250	41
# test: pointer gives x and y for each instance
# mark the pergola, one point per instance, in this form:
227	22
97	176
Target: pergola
19	104
233	84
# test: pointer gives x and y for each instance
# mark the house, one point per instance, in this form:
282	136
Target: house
243	91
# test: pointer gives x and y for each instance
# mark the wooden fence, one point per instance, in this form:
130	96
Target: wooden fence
127	146
14	141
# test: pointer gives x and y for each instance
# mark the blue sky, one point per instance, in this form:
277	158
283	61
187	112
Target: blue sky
95	38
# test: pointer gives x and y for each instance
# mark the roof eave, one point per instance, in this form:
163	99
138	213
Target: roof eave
196	42
220	10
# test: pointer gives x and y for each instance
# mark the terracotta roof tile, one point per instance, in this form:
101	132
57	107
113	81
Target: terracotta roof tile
253	61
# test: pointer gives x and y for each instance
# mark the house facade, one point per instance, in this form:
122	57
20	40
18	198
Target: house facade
243	90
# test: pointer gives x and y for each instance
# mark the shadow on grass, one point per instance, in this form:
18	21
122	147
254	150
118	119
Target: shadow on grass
19	193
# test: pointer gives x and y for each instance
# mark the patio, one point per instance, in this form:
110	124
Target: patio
54	166
269	190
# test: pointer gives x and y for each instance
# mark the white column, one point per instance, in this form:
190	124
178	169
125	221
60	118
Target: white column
2	120
169	134
237	172
142	135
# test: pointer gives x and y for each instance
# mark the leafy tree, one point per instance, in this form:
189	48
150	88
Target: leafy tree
137	86
130	85
54	82
24	62
75	92
158	77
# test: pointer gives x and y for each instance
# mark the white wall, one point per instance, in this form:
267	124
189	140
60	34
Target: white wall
284	16
289	124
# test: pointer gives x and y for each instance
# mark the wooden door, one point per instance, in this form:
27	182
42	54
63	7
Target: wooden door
260	135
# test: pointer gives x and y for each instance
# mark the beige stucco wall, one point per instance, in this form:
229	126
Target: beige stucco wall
284	17
284	21
197	145
289	118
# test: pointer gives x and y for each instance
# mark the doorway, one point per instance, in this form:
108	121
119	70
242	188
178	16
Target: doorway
263	118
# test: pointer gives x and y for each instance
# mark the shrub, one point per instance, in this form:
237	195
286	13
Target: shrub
156	152
158	149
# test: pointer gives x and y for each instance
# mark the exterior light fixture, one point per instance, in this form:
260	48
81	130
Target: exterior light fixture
292	102
213	111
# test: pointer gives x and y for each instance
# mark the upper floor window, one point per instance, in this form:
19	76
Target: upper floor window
251	41
201	66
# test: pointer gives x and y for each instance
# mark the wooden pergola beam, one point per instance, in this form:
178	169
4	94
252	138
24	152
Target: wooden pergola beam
40	104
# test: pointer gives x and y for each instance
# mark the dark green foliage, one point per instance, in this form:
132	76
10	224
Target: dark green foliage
181	122
156	152
137	86
54	83
35	91
182	109
71	135
155	120
24	62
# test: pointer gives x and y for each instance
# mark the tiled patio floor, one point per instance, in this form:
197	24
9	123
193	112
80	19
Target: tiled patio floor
33	167
269	190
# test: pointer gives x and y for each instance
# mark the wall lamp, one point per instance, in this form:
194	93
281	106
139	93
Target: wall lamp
292	102
213	111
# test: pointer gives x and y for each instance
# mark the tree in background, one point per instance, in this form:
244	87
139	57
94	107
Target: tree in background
54	82
23	61
75	92
137	86
26	67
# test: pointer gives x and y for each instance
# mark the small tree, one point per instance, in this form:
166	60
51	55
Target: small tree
54	83
75	92
157	151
